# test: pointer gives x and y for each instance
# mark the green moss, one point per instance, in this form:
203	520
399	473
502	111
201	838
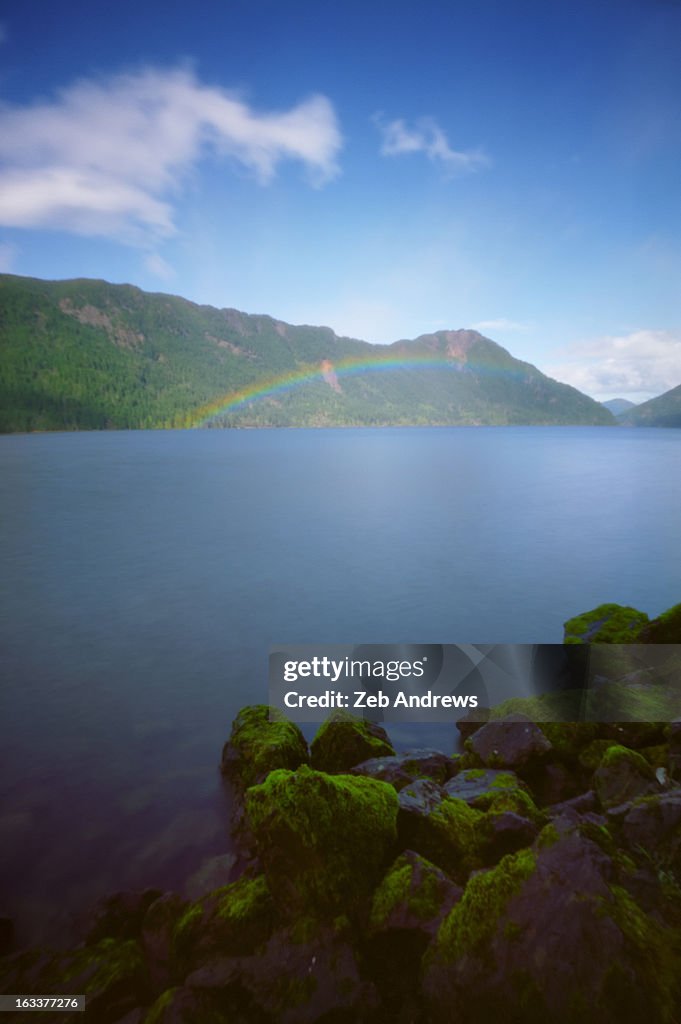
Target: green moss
606	624
505	780
418	892
472	923
474	773
517	801
156	1012
243	900
654	949
616	755
393	890
344	740
188	921
457	836
322	839
548	836
666	629
262	739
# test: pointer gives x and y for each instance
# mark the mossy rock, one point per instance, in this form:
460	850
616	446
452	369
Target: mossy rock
480	786
407	909
623	775
606	624
666	629
111	974
261	740
183	1005
344	741
441	828
547	935
414	895
232	921
323	840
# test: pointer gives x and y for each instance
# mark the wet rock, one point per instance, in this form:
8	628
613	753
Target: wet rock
156	940
549	935
403	769
344	741
181	1005
261	740
479	786
323	840
473	720
622	776
232	921
441	828
507	832
120	915
407	909
654	825
511	742
303	975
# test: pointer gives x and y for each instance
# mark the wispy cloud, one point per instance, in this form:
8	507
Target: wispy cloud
641	362
7	255
426	136
156	265
109	157
500	324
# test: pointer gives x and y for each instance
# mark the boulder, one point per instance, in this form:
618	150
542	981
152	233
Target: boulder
156	939
623	775
510	742
606	624
402	769
344	741
261	740
120	915
654	824
323	840
304	974
232	921
479	786
406	911
549	935
441	828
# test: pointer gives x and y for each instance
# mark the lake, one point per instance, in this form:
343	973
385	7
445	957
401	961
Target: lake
145	575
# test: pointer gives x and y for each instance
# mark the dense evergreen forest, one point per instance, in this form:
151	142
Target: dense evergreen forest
88	355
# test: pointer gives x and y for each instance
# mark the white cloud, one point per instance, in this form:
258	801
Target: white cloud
501	324
643	362
109	157
7	255
426	136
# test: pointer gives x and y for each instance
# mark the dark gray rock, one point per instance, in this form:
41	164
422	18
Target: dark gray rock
402	769
510	742
120	915
479	786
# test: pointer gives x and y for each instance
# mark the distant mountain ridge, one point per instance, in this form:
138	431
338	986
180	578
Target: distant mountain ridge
663	411
85	354
619	406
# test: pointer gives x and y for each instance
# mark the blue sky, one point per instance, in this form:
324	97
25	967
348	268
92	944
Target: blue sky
387	169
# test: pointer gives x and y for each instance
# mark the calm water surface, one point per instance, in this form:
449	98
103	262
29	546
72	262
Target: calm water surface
144	576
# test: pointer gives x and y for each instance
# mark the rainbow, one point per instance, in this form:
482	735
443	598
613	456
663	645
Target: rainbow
325	371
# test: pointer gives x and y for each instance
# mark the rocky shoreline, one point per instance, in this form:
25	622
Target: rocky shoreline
536	876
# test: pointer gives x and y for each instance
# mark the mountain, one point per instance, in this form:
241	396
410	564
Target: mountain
86	354
618	406
663	411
